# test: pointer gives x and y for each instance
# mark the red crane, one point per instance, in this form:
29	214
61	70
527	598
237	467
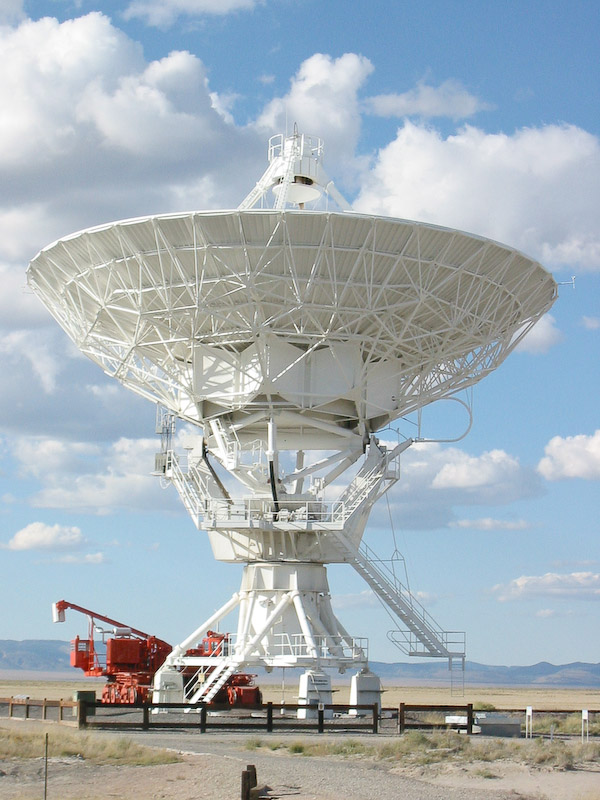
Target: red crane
131	659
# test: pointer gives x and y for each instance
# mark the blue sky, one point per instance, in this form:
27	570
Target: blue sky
478	116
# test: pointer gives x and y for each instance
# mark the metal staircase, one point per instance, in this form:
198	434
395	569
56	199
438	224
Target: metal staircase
207	691
420	635
192	486
372	481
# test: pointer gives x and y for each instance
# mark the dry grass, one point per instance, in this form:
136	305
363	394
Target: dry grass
416	748
68	743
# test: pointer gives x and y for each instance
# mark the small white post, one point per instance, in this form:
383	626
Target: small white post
585	726
529	722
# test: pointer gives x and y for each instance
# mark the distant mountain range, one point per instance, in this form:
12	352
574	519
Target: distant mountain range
52	655
577	674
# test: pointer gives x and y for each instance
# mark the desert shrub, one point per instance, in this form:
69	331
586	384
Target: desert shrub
253	743
97	748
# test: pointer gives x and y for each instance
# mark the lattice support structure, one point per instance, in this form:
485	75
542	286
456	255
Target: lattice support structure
290	337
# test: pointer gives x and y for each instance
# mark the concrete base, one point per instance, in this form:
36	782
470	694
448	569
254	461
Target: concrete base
168	688
365	689
314	689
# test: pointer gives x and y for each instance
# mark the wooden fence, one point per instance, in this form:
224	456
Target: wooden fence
268	717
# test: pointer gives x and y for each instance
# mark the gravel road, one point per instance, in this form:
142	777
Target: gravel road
312	778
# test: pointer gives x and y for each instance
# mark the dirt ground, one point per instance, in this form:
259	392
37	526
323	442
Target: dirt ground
216	775
211	766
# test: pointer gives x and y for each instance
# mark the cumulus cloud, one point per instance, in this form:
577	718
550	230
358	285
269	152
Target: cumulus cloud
575	586
491	524
42	457
449	99
156	111
571	457
323	100
472	472
93	478
163	13
437	480
11	11
19	308
536	189
93	132
39	536
542	337
31	346
47	67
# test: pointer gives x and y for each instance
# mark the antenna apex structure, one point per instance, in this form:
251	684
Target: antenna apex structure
295	174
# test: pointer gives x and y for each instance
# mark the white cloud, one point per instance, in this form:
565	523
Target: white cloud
11	11
449	99
491	524
572	457
162	13
543	336
323	100
32	347
537	189
91	132
48	459
47	66
93	478
472	472
153	112
545	613
39	536
591	323
438	479
575	586
19	308
89	558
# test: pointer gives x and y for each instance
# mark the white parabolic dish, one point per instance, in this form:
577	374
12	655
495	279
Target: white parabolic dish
341	318
278	329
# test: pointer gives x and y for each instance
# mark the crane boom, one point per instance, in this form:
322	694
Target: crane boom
58	615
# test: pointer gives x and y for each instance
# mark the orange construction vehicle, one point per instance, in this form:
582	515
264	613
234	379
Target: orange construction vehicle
129	658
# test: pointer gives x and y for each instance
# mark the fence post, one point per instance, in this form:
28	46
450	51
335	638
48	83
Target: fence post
81	714
251	770
269	717
321	716
469	719
375	718
44	709
145	717
245	795
60	710
203	719
27	708
401	718
10	707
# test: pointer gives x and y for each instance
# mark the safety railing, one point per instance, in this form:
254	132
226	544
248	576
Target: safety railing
285	645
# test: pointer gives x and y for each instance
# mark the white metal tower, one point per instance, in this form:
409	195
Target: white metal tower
290	337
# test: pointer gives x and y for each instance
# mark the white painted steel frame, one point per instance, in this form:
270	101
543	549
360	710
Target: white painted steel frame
432	310
327	326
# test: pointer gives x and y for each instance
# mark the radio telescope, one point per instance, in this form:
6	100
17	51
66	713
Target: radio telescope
288	338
